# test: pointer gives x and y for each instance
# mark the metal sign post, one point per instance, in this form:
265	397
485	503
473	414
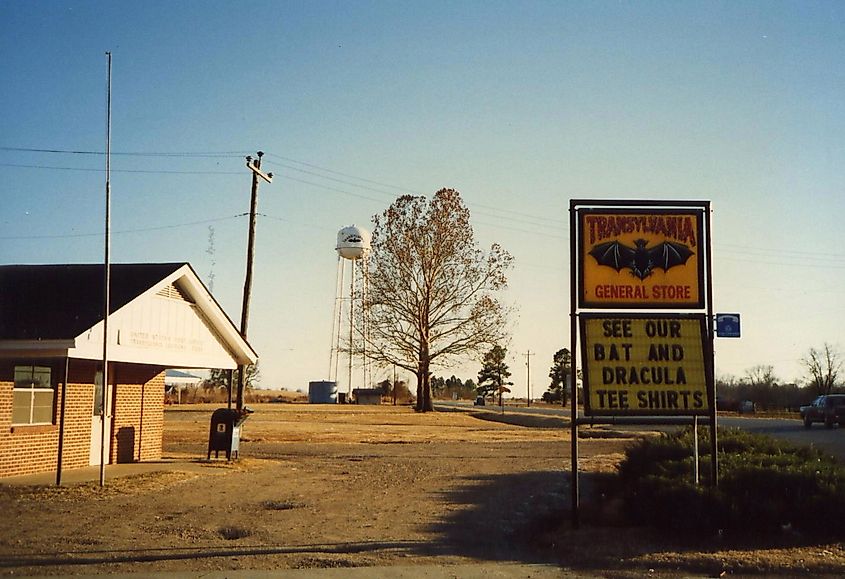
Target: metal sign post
573	372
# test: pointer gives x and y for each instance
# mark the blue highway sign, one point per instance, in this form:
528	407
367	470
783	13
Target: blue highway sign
727	325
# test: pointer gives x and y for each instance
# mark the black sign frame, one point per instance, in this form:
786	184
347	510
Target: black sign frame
585	303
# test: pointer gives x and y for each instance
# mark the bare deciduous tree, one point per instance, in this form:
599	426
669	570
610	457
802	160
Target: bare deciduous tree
823	367
761	375
431	293
219	379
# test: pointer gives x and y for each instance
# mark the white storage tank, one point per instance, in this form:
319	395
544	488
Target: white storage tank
353	242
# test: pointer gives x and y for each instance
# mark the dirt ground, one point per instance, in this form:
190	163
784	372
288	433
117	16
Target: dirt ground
349	486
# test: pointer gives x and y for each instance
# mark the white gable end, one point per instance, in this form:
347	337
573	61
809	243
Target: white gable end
165	327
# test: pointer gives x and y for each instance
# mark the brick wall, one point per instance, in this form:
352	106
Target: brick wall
138	414
136	427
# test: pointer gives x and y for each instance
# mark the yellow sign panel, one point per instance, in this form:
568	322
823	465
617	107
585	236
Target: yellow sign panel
641	258
642	364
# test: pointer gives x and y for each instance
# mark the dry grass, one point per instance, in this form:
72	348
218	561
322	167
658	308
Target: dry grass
356	424
131	485
336	483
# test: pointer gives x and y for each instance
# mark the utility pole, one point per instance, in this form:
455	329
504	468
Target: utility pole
255	167
528	355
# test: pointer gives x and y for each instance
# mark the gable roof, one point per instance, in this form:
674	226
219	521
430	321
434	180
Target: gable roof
56	302
58	310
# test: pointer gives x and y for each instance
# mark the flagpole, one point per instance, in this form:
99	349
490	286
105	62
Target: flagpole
106	284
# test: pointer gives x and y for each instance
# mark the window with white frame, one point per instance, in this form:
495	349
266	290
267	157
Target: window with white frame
33	395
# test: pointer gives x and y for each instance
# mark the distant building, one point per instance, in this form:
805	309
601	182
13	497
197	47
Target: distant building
51	348
370	396
177	380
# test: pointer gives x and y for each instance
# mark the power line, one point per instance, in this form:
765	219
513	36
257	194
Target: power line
150	171
329	188
751	252
310	226
275	218
326	170
474	221
487	210
169	226
213	154
517	229
758	261
135	230
235	154
392	195
556	222
733	248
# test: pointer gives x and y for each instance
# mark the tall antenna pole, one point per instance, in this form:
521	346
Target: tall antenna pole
528	355
106	282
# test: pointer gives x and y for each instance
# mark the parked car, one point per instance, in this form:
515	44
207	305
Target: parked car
828	409
479	401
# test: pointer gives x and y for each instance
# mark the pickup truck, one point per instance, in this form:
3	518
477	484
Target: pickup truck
829	409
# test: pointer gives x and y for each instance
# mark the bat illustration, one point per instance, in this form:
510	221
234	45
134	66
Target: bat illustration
641	260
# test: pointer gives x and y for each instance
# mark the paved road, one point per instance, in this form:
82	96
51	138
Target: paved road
536	409
791	430
468	571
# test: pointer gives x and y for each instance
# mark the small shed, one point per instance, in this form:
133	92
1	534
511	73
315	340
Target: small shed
368	396
177	380
52	394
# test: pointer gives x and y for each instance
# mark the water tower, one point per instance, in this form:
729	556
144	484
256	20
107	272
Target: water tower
353	248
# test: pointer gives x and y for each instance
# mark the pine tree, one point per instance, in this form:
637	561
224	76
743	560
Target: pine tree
494	373
561	367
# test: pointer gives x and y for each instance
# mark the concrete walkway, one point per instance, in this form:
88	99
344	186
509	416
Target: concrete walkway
92	473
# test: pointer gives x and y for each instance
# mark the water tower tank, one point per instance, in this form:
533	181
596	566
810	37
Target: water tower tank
322	392
353	242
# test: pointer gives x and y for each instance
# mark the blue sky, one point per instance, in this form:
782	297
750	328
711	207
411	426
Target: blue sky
519	105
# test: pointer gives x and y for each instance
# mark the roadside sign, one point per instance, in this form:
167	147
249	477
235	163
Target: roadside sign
642	266
727	325
643	364
641	258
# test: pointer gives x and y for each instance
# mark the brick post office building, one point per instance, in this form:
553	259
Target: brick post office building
51	350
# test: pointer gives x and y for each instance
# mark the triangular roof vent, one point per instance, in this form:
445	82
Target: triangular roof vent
174	292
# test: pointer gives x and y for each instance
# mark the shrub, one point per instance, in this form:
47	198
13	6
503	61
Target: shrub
654	457
765	486
234	533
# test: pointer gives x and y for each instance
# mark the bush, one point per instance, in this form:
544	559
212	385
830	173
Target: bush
765	486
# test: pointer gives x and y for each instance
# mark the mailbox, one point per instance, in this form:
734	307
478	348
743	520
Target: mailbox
225	431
